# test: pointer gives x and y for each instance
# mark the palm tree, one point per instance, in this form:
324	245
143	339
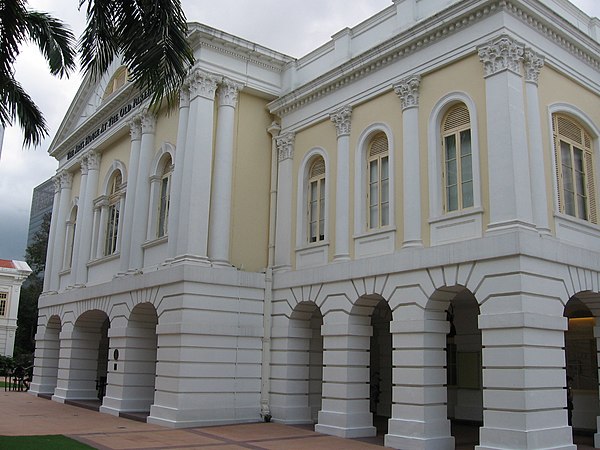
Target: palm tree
150	36
56	42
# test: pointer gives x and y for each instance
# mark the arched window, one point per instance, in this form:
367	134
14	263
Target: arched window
114	207
574	169
378	179
164	196
316	201
116	82
457	157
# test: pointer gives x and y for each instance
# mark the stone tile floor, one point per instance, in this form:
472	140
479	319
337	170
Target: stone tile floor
25	414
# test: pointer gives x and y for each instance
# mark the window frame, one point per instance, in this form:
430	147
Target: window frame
3	304
114	196
319	182
380	160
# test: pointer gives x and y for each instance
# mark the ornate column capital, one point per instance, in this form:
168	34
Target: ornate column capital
203	84
66	180
93	160
533	63
56	180
274	129
342	120
228	92
184	96
135	129
285	145
408	91
501	53
147	122
84	165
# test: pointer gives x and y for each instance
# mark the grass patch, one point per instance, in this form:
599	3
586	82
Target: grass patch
51	442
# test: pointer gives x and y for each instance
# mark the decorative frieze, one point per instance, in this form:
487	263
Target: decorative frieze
342	120
501	53
228	92
203	84
285	146
533	64
408	91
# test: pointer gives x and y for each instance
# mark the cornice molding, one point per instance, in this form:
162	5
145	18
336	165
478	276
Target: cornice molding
425	33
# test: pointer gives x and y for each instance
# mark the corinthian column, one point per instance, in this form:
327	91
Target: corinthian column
177	180
283	232
508	158
192	239
220	214
74	254
66	182
85	224
52	234
533	65
342	121
408	91
135	130
142	192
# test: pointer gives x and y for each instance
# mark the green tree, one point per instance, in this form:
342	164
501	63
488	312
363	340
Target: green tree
35	255
150	36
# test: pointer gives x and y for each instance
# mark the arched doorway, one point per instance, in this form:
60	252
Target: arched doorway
581	357
380	367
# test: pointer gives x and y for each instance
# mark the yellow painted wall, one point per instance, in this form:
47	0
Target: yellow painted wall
465	76
76	185
117	150
556	88
166	127
251	184
385	109
320	135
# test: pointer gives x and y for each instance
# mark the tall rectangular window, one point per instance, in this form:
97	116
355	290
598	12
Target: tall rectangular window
3	300
458	159
164	198
574	169
114	207
378	192
316	201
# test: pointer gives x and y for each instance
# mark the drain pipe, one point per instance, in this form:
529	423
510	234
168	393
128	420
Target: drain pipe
265	385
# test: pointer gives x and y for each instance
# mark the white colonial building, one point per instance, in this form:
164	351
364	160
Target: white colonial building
12	275
399	230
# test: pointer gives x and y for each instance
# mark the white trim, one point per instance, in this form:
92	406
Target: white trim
360	178
434	151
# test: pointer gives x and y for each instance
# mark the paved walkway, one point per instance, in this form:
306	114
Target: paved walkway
24	414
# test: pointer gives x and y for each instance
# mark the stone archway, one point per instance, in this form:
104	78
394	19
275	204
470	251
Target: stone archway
47	349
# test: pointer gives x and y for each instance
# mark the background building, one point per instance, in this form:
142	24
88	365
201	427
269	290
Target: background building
41	204
397	231
12	275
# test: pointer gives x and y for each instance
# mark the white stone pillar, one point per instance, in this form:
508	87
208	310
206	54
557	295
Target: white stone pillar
75	263
283	231
220	213
524	376
533	65
84	226
175	206
102	204
408	91
508	157
45	371
52	235
342	121
419	410
345	408
135	130
66	181
192	241
142	193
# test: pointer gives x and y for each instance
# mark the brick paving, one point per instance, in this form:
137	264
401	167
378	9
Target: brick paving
24	414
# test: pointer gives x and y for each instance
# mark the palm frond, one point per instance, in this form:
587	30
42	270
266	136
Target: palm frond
99	43
55	40
12	14
16	103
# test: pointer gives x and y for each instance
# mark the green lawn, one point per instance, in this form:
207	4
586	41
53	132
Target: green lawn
53	442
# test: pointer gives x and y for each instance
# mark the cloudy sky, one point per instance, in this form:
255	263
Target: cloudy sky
290	26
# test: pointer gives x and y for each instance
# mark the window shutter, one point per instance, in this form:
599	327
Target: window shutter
379	145
318	168
557	162
591	189
457	117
